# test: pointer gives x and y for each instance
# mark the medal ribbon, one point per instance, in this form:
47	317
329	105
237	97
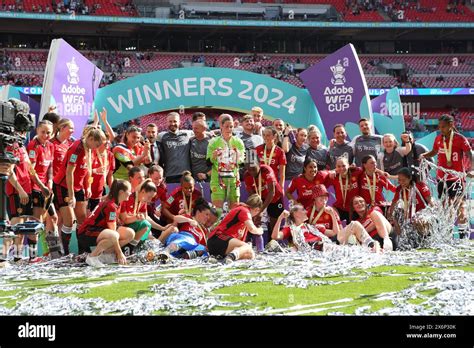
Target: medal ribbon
188	211
271	155
372	188
315	220
448	148
344	188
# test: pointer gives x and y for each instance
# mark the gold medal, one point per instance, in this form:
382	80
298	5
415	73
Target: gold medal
19	210
91	180
450	163
150	255
66	199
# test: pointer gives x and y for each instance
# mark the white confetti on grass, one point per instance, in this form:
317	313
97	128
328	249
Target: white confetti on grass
192	291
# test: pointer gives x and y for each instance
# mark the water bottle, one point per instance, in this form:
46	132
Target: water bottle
292	136
42	243
258	240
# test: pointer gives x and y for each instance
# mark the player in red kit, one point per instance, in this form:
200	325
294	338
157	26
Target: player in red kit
304	183
272	155
101	230
182	198
72	181
228	238
346	186
454	153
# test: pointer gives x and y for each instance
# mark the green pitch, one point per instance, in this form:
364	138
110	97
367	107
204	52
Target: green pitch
237	289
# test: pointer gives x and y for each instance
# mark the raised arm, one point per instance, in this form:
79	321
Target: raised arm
108	128
276	234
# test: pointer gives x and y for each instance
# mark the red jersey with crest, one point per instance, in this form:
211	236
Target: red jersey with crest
41	157
175	201
278	158
21	169
268	178
60	150
352	188
304	188
381	182
423	190
75	156
233	224
324	219
161	192
199	232
459	149
105	213
367	221
308	236
97	186
128	206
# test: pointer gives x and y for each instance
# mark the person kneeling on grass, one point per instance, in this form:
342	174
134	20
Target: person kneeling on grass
227	239
100	229
133	214
305	236
190	241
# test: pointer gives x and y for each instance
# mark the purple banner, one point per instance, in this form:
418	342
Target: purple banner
388	111
70	84
339	90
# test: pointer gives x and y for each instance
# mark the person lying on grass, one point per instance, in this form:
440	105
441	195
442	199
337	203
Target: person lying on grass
190	241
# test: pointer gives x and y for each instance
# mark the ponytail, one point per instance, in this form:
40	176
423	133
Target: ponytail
117	186
187	177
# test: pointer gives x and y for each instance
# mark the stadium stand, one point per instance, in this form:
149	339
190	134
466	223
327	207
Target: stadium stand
422	70
347	10
86	7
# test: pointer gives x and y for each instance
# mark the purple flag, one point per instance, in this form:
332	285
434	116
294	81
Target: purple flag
70	84
339	90
387	110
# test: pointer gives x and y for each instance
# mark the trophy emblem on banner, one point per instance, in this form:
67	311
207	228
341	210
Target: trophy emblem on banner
73	68
338	72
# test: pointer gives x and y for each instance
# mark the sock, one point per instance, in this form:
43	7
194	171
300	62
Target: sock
462	229
234	255
32	249
66	233
188	255
54	245
368	242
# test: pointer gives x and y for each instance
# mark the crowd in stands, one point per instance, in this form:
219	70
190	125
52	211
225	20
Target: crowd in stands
418	72
72	7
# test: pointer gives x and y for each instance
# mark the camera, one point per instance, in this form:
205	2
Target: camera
15	121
